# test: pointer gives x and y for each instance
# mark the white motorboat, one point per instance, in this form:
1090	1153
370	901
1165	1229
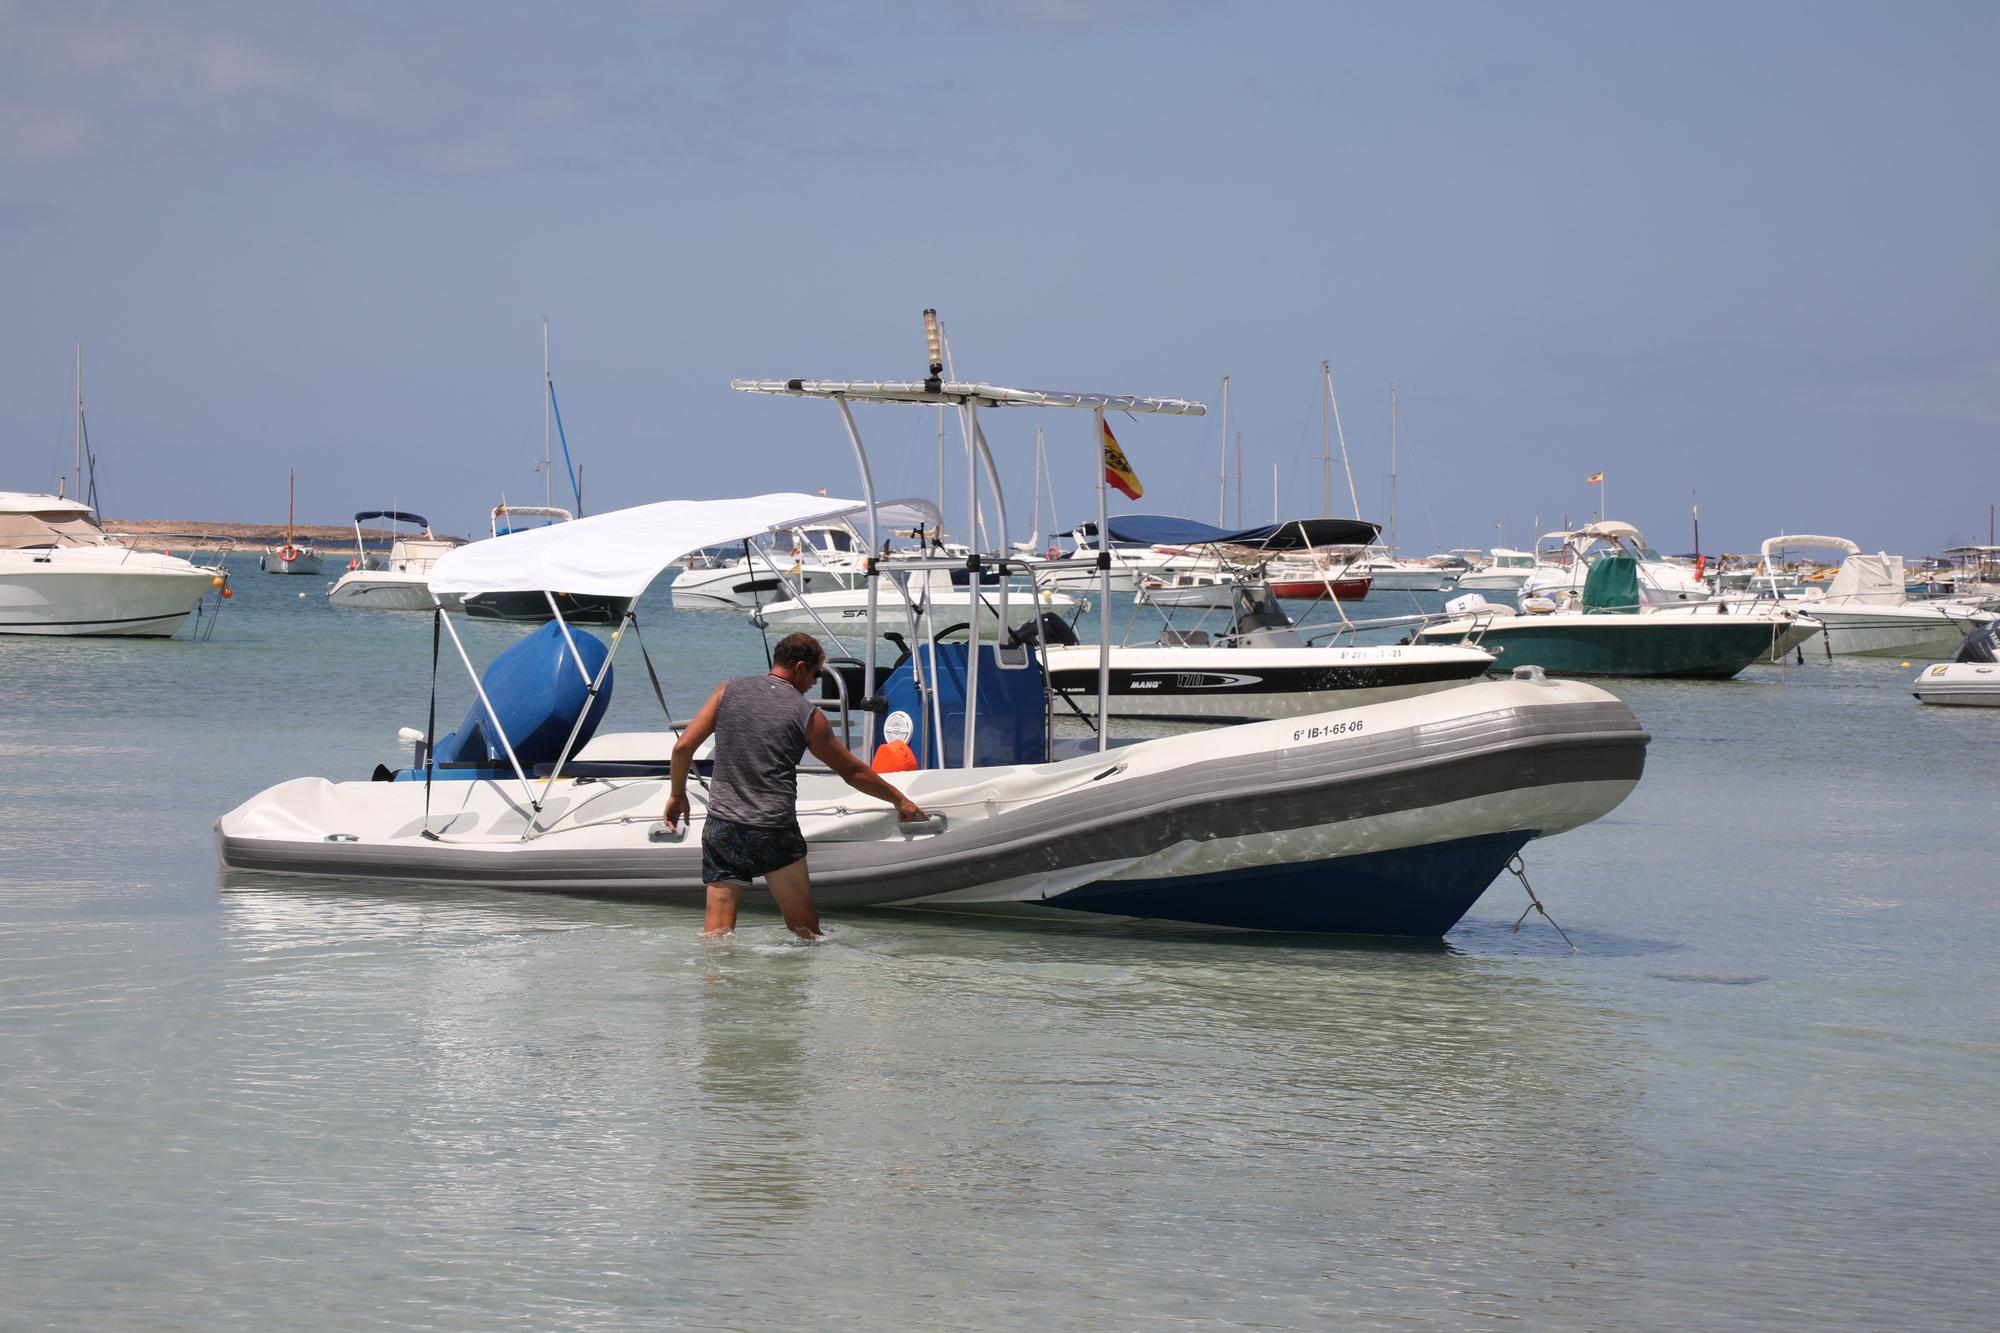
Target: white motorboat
294	556
1209	588
823	558
401	581
1563	561
1260	667
1256	664
1864	605
1386	573
61	573
1132	564
935	592
1971	679
1389	819
1505	572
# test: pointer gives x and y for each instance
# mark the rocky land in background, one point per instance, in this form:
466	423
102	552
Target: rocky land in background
164	534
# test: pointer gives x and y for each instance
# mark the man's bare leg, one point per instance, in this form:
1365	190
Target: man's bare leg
793	890
721	917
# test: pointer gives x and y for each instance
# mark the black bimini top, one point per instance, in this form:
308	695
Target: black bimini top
394	516
1296	534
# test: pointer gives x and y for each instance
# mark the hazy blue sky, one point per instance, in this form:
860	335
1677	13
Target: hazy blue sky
1743	254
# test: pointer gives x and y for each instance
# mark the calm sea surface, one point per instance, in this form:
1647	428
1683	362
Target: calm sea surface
1764	1093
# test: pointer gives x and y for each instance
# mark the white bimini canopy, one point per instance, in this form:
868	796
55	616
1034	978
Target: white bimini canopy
619	553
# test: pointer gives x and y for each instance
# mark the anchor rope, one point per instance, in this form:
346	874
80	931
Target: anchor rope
1519	870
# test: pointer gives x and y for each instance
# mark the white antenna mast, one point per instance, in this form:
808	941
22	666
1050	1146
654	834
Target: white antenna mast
1392	465
1222	470
548	406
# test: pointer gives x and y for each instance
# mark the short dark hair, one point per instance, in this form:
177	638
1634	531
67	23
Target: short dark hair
796	648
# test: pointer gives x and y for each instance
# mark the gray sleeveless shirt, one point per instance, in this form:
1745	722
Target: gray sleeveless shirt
760	736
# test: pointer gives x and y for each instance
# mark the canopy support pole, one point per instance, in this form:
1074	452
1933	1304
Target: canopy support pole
966	756
1104	588
1000	511
594	684
873	575
492	715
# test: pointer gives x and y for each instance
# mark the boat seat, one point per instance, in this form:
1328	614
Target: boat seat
1184	638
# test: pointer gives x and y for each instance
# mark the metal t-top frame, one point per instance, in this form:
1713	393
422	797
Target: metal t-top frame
969	398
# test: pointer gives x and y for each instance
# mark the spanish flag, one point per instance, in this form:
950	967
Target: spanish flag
1594	479
1117	470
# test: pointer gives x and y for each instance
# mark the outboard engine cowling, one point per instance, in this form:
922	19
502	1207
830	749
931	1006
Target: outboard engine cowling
1047	628
537	691
1982	645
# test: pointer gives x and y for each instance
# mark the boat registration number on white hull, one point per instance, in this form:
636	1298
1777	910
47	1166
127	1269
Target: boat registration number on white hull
1327	730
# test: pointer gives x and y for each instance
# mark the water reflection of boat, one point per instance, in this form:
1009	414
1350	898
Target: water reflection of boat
1388	819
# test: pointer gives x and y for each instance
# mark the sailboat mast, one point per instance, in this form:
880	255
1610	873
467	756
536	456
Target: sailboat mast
1326	437
291	502
79	419
1239	480
1035	527
548	410
1347	467
1222	467
1392	465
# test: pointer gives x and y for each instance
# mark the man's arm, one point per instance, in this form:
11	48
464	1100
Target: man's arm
697	731
829	751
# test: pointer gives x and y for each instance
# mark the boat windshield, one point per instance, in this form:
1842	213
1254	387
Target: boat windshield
26	531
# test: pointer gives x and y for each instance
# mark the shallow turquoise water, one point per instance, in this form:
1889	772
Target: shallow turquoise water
1761	1094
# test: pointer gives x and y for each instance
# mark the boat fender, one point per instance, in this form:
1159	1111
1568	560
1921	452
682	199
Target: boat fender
1538	606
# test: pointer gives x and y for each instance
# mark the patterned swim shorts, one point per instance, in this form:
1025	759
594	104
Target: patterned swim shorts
739	853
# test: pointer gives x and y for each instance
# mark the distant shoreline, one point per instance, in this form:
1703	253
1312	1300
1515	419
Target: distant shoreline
168	533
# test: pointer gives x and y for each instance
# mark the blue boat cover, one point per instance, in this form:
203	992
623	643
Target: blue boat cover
1013	725
536	692
1291	535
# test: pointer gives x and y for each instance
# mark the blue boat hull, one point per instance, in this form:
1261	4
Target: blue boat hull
1420	891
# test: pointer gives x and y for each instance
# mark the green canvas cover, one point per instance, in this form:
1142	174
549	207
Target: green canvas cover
1613	585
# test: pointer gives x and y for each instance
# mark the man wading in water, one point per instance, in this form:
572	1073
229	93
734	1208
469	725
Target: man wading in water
763	725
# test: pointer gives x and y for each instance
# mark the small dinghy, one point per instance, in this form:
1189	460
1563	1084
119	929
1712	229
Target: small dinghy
1971	679
1388	819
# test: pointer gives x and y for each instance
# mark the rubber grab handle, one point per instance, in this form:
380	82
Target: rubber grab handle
928	824
663	832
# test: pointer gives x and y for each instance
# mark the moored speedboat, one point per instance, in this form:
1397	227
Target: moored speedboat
401	581
1864	605
1388	819
1612	634
62	574
1971	679
1259	666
